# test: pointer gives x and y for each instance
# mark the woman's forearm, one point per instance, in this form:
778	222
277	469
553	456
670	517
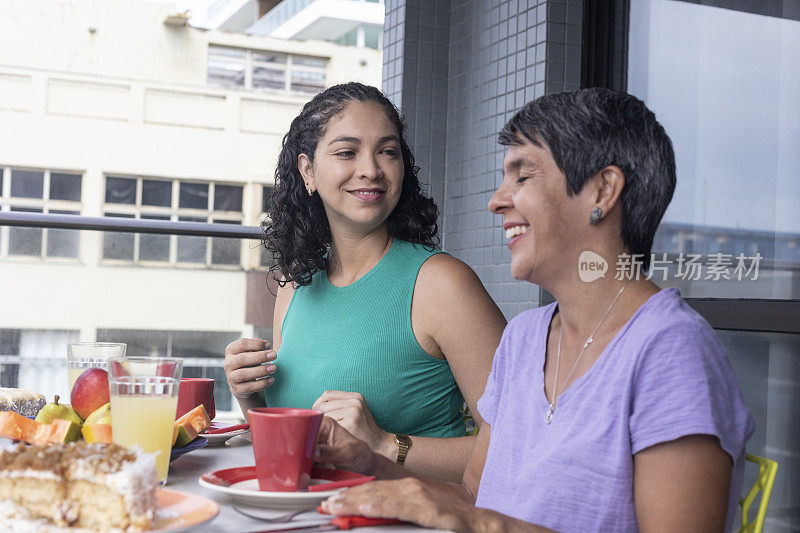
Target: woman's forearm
443	459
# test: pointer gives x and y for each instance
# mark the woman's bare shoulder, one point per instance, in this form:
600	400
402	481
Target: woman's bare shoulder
447	279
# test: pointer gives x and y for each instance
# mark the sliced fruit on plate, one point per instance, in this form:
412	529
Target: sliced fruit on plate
17	427
184	433
197	417
60	430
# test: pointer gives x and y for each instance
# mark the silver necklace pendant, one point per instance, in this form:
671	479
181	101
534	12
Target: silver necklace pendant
549	414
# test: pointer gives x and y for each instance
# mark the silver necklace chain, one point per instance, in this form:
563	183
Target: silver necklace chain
551	409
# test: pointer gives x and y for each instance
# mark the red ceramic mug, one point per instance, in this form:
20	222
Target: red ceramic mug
284	440
194	392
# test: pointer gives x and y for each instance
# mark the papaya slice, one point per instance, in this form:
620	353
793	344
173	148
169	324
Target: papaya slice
64	431
197	417
17	427
184	433
97	433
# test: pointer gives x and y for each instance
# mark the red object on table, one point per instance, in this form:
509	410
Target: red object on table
193	392
348	522
226	429
284	440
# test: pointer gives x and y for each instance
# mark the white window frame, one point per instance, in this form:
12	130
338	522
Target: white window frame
174	212
44	203
250	63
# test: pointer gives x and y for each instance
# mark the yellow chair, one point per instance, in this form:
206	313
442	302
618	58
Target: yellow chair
766	477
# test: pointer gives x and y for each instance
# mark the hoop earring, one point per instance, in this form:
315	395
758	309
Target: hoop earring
595	215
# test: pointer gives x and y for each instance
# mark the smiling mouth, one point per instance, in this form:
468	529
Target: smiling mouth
515	231
367	195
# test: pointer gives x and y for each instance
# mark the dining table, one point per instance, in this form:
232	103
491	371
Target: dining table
185	471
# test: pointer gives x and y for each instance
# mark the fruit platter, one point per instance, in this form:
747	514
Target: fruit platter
25	417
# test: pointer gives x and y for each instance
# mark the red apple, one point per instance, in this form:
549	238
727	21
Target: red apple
90	392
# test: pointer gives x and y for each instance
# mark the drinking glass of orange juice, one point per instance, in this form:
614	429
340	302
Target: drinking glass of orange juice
144	398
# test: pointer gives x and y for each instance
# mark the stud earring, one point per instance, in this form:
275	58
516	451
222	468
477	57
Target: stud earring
595	215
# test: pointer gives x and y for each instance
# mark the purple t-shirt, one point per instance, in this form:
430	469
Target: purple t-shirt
664	375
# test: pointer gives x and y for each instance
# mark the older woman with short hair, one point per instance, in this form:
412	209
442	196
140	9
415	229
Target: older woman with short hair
614	408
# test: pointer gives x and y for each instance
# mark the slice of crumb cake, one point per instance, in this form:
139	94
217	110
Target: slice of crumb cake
95	486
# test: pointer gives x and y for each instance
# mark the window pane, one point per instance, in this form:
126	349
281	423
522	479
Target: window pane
734	213
226	51
1	180
227	198
263	56
25	241
767	368
141	343
65	187
350	38
27	183
63	242
269	78
192	249
225	73
157	192
225	251
194	195
310	61
372	37
120	190
154	247
266	259
307	81
266	200
118	245
9	345
226	66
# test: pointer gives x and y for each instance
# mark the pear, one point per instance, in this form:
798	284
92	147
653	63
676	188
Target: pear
54	410
101	415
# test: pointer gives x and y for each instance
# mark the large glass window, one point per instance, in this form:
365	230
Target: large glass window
175	200
724	81
725	84
265	70
39	191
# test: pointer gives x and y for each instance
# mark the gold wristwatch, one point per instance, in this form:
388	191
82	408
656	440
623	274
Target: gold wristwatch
403	445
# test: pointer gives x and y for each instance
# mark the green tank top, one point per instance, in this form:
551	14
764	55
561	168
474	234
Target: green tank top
358	338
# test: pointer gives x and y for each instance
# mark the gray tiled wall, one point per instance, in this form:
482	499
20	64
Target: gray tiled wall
459	69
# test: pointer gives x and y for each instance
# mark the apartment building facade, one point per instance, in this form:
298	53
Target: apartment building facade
124	110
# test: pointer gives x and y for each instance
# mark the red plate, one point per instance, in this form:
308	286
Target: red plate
242	485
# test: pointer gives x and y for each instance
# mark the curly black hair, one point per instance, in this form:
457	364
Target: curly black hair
297	233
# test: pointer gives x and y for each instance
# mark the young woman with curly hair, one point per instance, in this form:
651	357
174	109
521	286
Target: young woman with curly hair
373	326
